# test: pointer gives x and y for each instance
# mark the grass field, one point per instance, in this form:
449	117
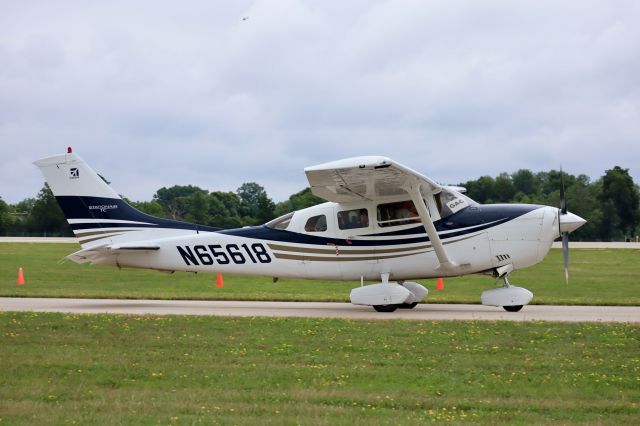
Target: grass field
109	369
607	276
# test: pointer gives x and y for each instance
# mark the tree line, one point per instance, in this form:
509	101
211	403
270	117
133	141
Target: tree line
610	204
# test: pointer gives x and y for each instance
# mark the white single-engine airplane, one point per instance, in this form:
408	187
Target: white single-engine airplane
382	222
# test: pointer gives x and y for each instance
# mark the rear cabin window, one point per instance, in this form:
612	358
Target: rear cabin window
316	224
394	214
351	219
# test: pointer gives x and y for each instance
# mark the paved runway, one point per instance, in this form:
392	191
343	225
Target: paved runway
630	314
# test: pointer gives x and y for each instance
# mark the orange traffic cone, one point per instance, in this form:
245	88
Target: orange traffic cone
20	280
219	282
440	285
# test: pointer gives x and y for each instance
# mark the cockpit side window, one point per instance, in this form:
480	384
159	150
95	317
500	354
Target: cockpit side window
316	224
394	214
351	219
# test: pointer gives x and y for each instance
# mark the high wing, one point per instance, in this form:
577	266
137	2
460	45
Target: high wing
365	178
375	178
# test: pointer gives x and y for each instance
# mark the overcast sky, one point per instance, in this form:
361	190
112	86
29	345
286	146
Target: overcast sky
156	93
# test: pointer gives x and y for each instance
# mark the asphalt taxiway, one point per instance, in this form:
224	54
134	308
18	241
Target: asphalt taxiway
628	314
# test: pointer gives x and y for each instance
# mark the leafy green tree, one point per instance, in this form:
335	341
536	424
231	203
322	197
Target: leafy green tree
609	224
481	190
20	213
197	207
255	205
46	216
503	188
149	207
550	182
299	200
525	182
582	199
224	210
6	218
173	201
24	206
620	195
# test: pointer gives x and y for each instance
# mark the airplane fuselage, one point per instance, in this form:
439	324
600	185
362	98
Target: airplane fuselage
479	238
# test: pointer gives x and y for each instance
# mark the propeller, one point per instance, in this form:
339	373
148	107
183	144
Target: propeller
565	235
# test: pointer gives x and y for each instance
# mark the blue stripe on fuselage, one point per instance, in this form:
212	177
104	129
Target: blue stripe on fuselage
75	207
476	217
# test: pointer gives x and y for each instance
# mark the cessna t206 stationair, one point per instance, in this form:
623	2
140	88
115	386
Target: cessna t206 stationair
383	222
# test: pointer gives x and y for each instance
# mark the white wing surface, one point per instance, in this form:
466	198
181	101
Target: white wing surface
376	178
365	178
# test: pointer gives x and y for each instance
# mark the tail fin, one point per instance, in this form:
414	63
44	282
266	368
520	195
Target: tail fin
92	208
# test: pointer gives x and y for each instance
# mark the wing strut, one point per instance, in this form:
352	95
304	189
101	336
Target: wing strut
443	258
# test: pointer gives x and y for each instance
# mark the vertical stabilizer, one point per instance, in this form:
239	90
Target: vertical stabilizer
96	213
69	175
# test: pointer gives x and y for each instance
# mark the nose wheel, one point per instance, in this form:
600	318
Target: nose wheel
385	308
510	308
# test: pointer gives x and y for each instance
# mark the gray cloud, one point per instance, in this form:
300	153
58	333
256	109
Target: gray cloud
154	94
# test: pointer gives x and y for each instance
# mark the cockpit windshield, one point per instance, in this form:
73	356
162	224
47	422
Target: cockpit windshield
450	202
281	222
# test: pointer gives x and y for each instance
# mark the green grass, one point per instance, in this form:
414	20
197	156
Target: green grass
111	369
607	277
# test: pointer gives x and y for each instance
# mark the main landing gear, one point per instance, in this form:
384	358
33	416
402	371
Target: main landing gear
511	298
385	308
391	308
389	296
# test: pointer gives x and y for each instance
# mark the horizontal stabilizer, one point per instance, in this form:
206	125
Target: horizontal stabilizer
100	253
133	246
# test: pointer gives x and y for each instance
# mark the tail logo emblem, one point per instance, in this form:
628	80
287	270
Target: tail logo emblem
74	173
103	208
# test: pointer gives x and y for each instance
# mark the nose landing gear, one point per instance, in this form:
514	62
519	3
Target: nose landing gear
511	298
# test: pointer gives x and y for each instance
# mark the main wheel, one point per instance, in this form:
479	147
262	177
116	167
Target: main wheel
408	305
514	308
385	308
